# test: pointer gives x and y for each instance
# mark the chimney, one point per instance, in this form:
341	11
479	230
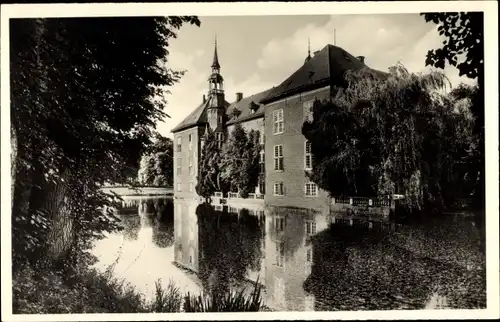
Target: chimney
204	98
239	97
361	59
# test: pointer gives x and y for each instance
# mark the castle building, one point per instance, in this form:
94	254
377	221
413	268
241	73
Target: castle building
278	113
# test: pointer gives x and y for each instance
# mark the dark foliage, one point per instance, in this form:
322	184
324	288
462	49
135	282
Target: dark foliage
82	114
464	37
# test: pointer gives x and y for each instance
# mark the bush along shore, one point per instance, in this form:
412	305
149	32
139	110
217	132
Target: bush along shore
90	291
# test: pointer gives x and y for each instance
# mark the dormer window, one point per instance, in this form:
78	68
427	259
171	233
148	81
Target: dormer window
253	107
235	113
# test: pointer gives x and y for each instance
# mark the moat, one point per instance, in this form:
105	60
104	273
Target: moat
305	260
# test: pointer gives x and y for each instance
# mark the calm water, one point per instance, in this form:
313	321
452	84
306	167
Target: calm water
304	261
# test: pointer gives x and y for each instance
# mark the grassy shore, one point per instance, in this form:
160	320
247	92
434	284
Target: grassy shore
93	292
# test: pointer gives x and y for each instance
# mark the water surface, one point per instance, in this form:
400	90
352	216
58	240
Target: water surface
304	260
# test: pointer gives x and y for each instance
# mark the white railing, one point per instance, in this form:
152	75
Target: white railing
233	195
362	201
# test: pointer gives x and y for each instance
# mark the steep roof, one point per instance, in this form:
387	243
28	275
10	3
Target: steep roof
245	108
326	67
196	117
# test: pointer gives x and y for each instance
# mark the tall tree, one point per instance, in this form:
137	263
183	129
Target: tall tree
209	173
380	135
463	48
156	166
82	111
240	160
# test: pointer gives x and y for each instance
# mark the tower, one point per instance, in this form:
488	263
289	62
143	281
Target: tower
216	100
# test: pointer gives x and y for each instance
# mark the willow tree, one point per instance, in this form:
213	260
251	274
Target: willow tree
383	134
81	114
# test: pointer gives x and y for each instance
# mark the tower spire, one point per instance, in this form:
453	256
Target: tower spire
215	63
308	58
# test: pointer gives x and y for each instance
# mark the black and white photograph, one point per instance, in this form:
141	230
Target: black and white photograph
299	160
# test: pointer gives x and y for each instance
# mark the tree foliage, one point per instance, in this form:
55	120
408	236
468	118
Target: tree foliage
209	173
231	247
463	48
82	112
392	134
234	167
240	160
156	167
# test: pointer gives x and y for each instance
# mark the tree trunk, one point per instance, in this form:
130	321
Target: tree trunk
13	162
57	205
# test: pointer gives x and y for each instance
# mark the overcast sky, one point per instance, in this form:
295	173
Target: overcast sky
258	52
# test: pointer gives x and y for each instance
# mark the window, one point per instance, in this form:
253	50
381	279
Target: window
309	255
310	227
307	156
220	138
279	223
178	187
220	119
279	189
261	136
190	142
262	187
190	187
311	189
179	166
190	165
278	127
179	144
308	113
191	255
278	157
280	254
261	161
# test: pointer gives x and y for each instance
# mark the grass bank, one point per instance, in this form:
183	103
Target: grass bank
91	291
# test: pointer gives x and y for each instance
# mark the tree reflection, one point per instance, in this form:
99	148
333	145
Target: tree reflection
356	268
131	225
163	223
229	245
287	225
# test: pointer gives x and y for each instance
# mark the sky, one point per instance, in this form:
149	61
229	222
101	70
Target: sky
258	52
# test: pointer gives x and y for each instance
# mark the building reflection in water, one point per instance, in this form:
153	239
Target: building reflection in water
308	260
222	245
289	256
232	246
